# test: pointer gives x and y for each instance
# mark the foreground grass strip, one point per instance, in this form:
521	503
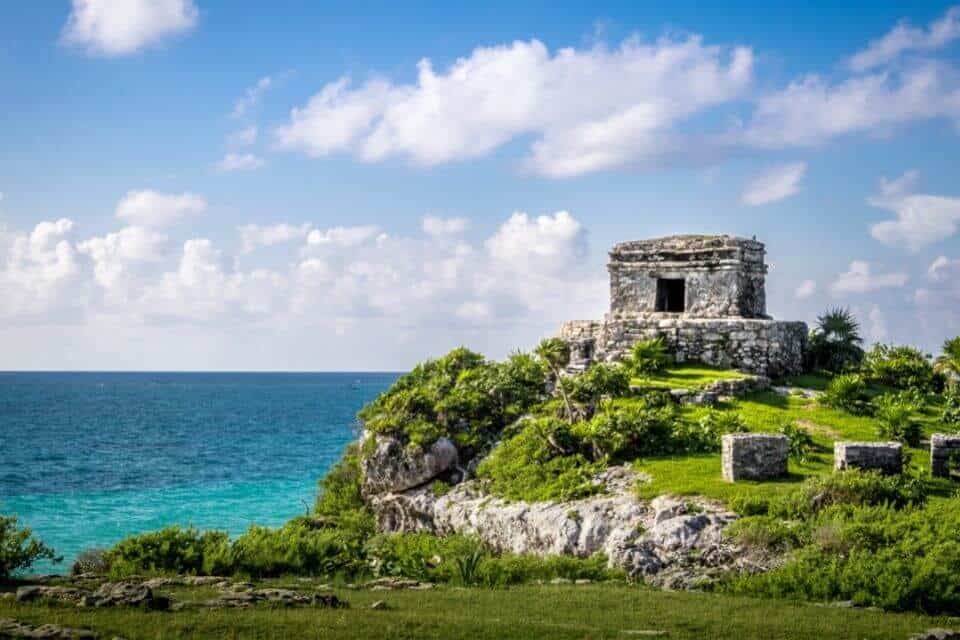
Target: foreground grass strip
592	611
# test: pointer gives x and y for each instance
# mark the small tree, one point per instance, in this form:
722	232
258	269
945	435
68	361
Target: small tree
555	355
835	343
948	362
19	549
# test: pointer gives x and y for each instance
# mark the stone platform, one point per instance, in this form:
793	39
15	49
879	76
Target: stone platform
757	345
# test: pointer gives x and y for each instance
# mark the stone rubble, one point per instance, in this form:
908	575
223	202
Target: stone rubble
10	628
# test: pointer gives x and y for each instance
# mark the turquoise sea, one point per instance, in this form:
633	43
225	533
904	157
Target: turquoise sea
88	458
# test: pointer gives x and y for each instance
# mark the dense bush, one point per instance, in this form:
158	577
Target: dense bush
850	487
618	433
585	391
461	396
91	561
896	559
894	415
340	489
170	550
847	392
951	407
297	548
900	367
647	357
765	532
541	462
19	549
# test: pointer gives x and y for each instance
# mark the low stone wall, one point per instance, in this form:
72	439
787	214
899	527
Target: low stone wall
885	456
761	346
754	456
942	447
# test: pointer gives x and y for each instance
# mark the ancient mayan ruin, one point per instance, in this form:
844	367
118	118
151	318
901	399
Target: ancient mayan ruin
704	295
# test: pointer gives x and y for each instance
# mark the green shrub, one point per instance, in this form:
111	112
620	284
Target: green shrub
900	367
19	549
461	396
951	407
801	442
847	392
850	487
764	532
297	549
541	462
900	560
704	435
623	433
170	551
894	415
585	390
340	488
749	504
647	357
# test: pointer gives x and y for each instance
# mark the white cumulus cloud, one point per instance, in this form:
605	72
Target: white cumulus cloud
548	242
342	236
114	253
588	109
37	269
155	209
860	278
774	184
921	219
253	235
121	27
905	38
435	226
239	162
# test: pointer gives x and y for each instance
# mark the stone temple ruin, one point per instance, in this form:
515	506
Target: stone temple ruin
704	295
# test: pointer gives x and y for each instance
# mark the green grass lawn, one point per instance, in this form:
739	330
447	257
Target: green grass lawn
559	612
687	376
767	411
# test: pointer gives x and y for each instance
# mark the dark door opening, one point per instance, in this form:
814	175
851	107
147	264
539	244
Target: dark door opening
671	294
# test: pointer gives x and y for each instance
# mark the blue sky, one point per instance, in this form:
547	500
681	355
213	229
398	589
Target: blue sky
192	184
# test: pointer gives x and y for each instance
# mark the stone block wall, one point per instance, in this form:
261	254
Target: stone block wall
723	275
885	456
942	447
764	347
754	456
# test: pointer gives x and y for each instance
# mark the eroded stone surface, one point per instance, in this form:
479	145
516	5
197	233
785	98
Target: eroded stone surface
653	540
392	467
276	597
884	456
10	628
754	456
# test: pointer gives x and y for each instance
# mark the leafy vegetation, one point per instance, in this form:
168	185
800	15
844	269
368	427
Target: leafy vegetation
847	392
894	414
951	407
900	367
19	549
948	362
648	357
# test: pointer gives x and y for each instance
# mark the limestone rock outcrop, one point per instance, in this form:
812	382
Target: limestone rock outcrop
392	467
649	539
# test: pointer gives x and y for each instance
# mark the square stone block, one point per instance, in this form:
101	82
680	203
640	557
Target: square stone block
942	446
754	456
885	456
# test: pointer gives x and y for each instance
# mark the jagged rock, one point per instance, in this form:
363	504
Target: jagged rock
189	581
10	628
281	597
126	594
641	538
37	592
392	467
936	634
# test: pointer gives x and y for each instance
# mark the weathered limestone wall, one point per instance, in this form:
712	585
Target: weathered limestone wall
754	456
885	456
724	276
765	347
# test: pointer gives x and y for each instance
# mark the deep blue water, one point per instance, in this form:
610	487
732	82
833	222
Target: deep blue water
88	458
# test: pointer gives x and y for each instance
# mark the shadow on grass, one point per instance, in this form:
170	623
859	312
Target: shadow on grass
768	398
